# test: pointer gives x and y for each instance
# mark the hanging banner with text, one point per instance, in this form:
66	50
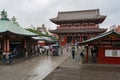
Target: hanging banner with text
112	53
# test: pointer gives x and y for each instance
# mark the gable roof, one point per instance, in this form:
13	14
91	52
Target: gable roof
8	26
38	38
100	36
48	39
45	38
78	15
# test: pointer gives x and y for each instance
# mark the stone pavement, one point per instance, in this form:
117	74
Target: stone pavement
34	68
76	70
68	70
37	68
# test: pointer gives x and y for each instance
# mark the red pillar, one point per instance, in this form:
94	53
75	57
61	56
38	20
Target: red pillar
86	54
4	45
63	40
7	46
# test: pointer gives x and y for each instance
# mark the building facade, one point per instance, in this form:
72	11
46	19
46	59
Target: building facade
12	36
106	48
77	26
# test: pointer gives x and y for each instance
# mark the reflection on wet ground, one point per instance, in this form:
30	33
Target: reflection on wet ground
31	69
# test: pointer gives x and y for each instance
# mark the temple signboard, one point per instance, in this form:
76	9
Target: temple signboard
112	53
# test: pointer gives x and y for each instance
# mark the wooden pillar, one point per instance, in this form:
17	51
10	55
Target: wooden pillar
4	44
7	45
86	54
64	40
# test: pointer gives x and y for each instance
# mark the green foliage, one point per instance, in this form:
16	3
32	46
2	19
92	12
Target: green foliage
37	32
55	39
47	34
40	34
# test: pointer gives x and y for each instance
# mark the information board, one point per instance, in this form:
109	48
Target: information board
112	53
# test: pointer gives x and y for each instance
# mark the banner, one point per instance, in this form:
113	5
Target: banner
112	53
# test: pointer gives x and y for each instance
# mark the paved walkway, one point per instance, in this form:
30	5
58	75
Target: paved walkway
68	70
40	68
35	68
76	70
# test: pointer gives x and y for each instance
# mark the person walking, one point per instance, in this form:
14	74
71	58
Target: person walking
67	47
73	52
10	58
4	57
26	52
47	51
61	50
81	54
14	53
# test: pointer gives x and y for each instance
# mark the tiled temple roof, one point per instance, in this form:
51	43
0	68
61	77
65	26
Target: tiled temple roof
8	26
79	16
111	34
98	30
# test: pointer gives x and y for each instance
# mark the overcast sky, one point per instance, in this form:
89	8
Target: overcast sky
38	12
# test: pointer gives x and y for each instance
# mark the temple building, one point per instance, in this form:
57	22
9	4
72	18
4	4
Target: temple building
12	36
77	26
106	48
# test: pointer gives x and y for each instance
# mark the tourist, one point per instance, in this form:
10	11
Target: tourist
73	52
53	51
14	53
81	54
4	57
36	50
61	50
26	52
67	47
47	51
10	57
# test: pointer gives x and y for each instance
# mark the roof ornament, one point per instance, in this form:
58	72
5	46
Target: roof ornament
4	15
13	19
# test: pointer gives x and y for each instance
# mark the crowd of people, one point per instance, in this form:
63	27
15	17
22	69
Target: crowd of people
48	50
81	50
9	56
30	51
73	48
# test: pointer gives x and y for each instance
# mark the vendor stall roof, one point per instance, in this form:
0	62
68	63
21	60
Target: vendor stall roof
8	26
101	36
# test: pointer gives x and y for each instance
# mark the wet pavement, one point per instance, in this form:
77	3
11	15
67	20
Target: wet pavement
68	70
58	68
77	70
35	68
99	72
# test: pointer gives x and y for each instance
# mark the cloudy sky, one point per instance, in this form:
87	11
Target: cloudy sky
38	12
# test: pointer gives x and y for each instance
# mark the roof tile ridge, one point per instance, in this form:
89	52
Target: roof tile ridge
79	11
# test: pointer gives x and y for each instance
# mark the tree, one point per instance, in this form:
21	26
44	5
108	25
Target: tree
38	30
35	31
